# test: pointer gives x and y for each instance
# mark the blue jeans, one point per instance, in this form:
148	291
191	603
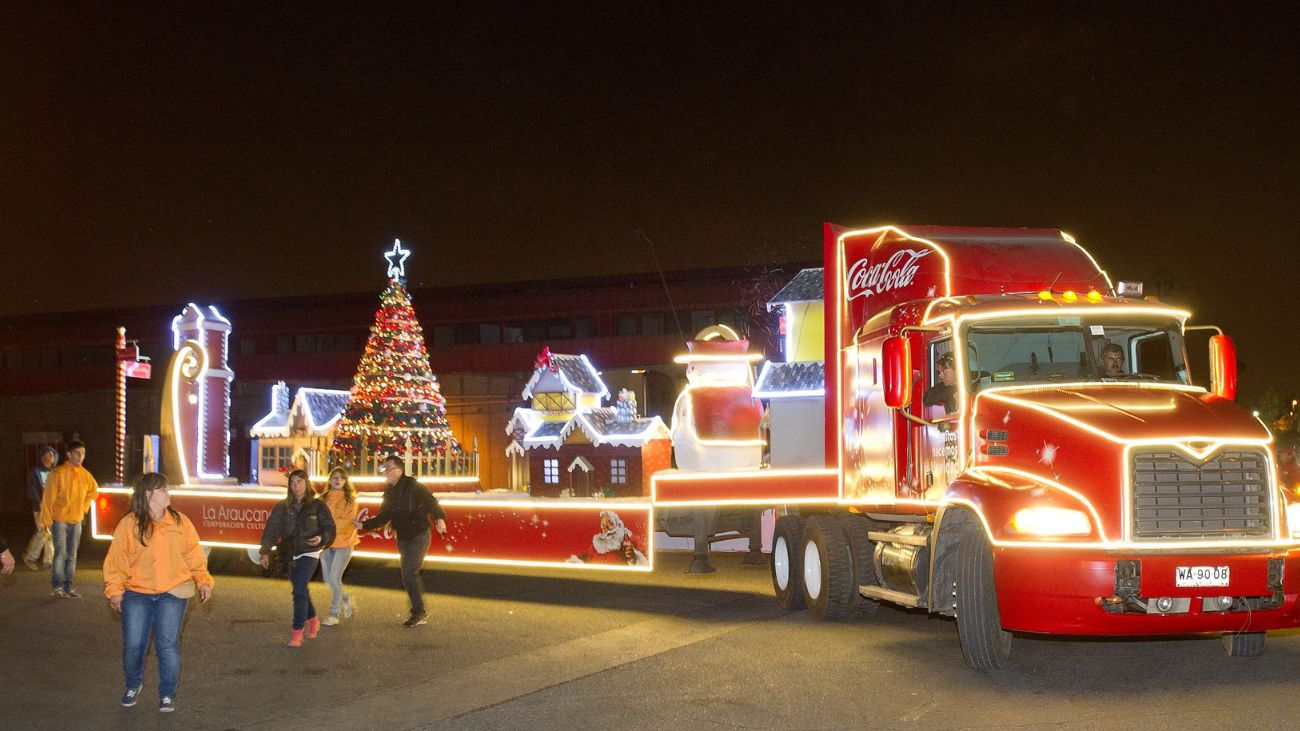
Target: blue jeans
301	573
67	538
161	615
332	563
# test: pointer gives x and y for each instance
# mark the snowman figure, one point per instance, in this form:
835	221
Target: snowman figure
717	420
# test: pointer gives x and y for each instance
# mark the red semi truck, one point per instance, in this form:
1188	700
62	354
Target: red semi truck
1056	496
1069	477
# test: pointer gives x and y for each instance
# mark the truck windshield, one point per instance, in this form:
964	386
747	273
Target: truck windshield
1060	349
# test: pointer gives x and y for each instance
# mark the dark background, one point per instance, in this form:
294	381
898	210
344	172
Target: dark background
155	155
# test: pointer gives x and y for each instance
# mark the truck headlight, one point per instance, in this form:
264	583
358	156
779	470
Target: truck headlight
1293	519
1045	521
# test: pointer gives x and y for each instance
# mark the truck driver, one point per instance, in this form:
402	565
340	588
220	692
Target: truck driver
945	391
1112	361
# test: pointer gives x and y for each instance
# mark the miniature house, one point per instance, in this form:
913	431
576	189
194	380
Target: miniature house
565	444
298	435
795	389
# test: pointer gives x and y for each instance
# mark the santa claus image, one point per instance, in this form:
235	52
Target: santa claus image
615	540
717	420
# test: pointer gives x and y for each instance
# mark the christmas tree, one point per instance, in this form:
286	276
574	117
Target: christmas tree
396	406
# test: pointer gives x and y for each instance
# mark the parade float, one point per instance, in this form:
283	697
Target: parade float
941	433
394	407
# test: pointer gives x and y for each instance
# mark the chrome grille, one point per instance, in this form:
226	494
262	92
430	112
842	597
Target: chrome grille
1178	498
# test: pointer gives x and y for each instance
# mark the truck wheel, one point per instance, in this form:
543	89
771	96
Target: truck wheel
827	569
1244	644
984	644
787	568
219	559
860	552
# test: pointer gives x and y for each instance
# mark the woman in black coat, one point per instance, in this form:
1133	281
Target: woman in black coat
302	527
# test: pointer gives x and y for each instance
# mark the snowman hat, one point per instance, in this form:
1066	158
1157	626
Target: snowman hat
718	344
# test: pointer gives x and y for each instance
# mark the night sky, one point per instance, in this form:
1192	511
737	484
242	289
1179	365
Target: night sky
222	151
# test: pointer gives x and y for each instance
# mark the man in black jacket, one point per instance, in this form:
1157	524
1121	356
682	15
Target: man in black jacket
407	507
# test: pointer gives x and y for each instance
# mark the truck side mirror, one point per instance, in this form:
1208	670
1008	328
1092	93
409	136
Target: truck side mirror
1223	367
897	361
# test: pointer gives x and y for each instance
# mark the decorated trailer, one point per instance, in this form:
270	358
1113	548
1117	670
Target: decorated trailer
1011	439
395	407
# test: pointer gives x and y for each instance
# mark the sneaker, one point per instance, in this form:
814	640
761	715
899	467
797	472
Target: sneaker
330	621
416	619
347	607
166	705
57	591
131	696
71	594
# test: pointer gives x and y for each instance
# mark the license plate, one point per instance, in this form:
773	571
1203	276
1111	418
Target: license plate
1201	576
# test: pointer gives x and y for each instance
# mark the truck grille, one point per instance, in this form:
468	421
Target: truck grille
1178	498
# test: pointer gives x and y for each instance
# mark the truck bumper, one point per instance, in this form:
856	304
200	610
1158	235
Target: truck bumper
1071	592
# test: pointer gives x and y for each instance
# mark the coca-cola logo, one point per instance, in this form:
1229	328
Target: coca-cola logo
865	279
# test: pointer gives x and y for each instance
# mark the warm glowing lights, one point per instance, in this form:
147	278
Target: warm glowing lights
1048	521
1069	296
1045	295
1094	296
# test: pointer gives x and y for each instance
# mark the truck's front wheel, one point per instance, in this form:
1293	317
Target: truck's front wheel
787	568
984	644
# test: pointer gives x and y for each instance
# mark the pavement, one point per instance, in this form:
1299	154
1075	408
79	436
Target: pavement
553	649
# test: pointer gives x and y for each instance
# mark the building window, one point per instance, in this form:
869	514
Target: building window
443	335
618	471
513	332
489	333
701	319
535	330
652	323
273	458
552	402
626	325
584	327
551	471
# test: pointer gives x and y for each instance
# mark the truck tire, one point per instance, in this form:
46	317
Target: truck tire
984	644
1244	644
861	548
787	564
827	569
220	559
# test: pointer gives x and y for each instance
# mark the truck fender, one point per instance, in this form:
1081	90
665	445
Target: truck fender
943	557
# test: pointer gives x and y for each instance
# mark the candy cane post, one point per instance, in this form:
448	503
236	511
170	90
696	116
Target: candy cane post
119	423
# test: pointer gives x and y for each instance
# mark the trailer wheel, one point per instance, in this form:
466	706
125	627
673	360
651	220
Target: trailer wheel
860	552
984	644
827	569
1244	644
787	566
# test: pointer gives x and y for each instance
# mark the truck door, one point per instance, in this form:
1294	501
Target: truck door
937	446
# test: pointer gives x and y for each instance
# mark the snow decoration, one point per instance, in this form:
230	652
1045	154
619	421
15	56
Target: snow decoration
1047	455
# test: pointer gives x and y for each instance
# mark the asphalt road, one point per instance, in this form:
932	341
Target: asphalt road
546	649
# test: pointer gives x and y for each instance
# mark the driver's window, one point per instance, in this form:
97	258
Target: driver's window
941	384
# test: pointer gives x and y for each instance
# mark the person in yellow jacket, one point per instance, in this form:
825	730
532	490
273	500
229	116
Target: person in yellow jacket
154	565
69	491
341	498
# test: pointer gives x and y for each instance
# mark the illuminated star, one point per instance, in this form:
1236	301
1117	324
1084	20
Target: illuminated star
397	260
930	292
1006	418
1047	455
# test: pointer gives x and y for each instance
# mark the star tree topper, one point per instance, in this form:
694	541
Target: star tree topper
397	260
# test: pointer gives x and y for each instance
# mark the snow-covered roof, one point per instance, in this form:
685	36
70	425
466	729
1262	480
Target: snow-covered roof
790	380
319	408
807	286
601	426
566	373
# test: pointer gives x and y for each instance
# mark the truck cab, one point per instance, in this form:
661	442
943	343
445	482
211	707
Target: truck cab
1021	445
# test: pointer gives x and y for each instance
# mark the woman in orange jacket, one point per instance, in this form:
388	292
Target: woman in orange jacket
341	498
154	565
